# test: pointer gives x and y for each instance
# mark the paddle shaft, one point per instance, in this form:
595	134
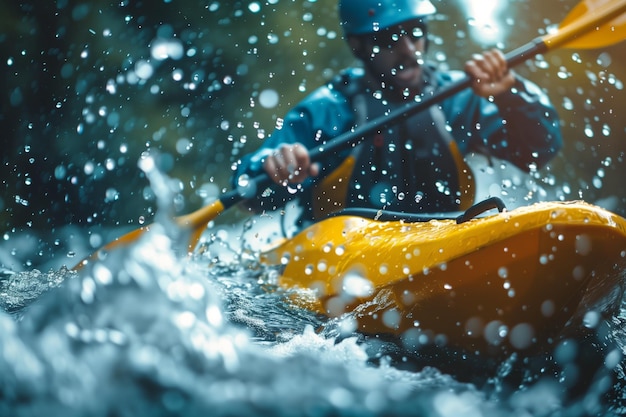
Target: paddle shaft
359	133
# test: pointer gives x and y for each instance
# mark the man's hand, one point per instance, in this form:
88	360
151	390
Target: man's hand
290	164
490	73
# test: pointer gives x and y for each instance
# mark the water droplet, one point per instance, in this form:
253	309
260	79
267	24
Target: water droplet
391	318
521	336
254	7
355	285
592	319
143	69
272	38
503	272
604	59
563	73
269	98
568	104
548	308
177	74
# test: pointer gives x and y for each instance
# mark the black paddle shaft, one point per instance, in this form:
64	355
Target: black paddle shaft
358	134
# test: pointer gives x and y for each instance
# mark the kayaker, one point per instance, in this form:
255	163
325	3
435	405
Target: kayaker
417	165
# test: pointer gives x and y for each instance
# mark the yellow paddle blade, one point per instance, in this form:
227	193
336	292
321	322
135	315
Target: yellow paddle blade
591	24
125	240
196	222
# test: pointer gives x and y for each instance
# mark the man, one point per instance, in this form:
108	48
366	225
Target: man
416	165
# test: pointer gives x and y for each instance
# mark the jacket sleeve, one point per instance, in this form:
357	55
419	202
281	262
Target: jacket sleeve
319	117
520	126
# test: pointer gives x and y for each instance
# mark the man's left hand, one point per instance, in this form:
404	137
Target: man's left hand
490	73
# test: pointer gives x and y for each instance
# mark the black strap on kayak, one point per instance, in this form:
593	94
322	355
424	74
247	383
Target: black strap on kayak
481	207
462	217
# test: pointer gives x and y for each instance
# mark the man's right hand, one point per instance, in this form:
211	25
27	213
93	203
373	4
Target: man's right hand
290	164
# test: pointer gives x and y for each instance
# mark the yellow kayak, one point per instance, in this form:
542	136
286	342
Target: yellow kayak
510	279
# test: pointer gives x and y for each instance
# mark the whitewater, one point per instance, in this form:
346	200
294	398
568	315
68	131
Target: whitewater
151	331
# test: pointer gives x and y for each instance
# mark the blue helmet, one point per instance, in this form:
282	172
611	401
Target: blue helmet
360	17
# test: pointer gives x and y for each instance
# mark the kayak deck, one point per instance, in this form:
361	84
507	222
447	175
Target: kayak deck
513	279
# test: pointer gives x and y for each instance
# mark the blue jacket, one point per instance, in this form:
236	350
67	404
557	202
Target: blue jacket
520	126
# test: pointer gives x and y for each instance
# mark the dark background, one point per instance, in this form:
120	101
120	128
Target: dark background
75	118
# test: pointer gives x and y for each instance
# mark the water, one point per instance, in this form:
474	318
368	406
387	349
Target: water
136	336
149	331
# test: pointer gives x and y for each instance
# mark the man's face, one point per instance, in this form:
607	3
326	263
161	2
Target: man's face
395	54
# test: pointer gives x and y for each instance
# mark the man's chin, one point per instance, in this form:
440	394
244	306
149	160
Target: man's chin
408	78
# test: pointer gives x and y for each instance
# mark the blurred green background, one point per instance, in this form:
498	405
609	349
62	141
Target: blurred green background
88	87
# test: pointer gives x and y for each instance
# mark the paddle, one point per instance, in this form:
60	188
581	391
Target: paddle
591	24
